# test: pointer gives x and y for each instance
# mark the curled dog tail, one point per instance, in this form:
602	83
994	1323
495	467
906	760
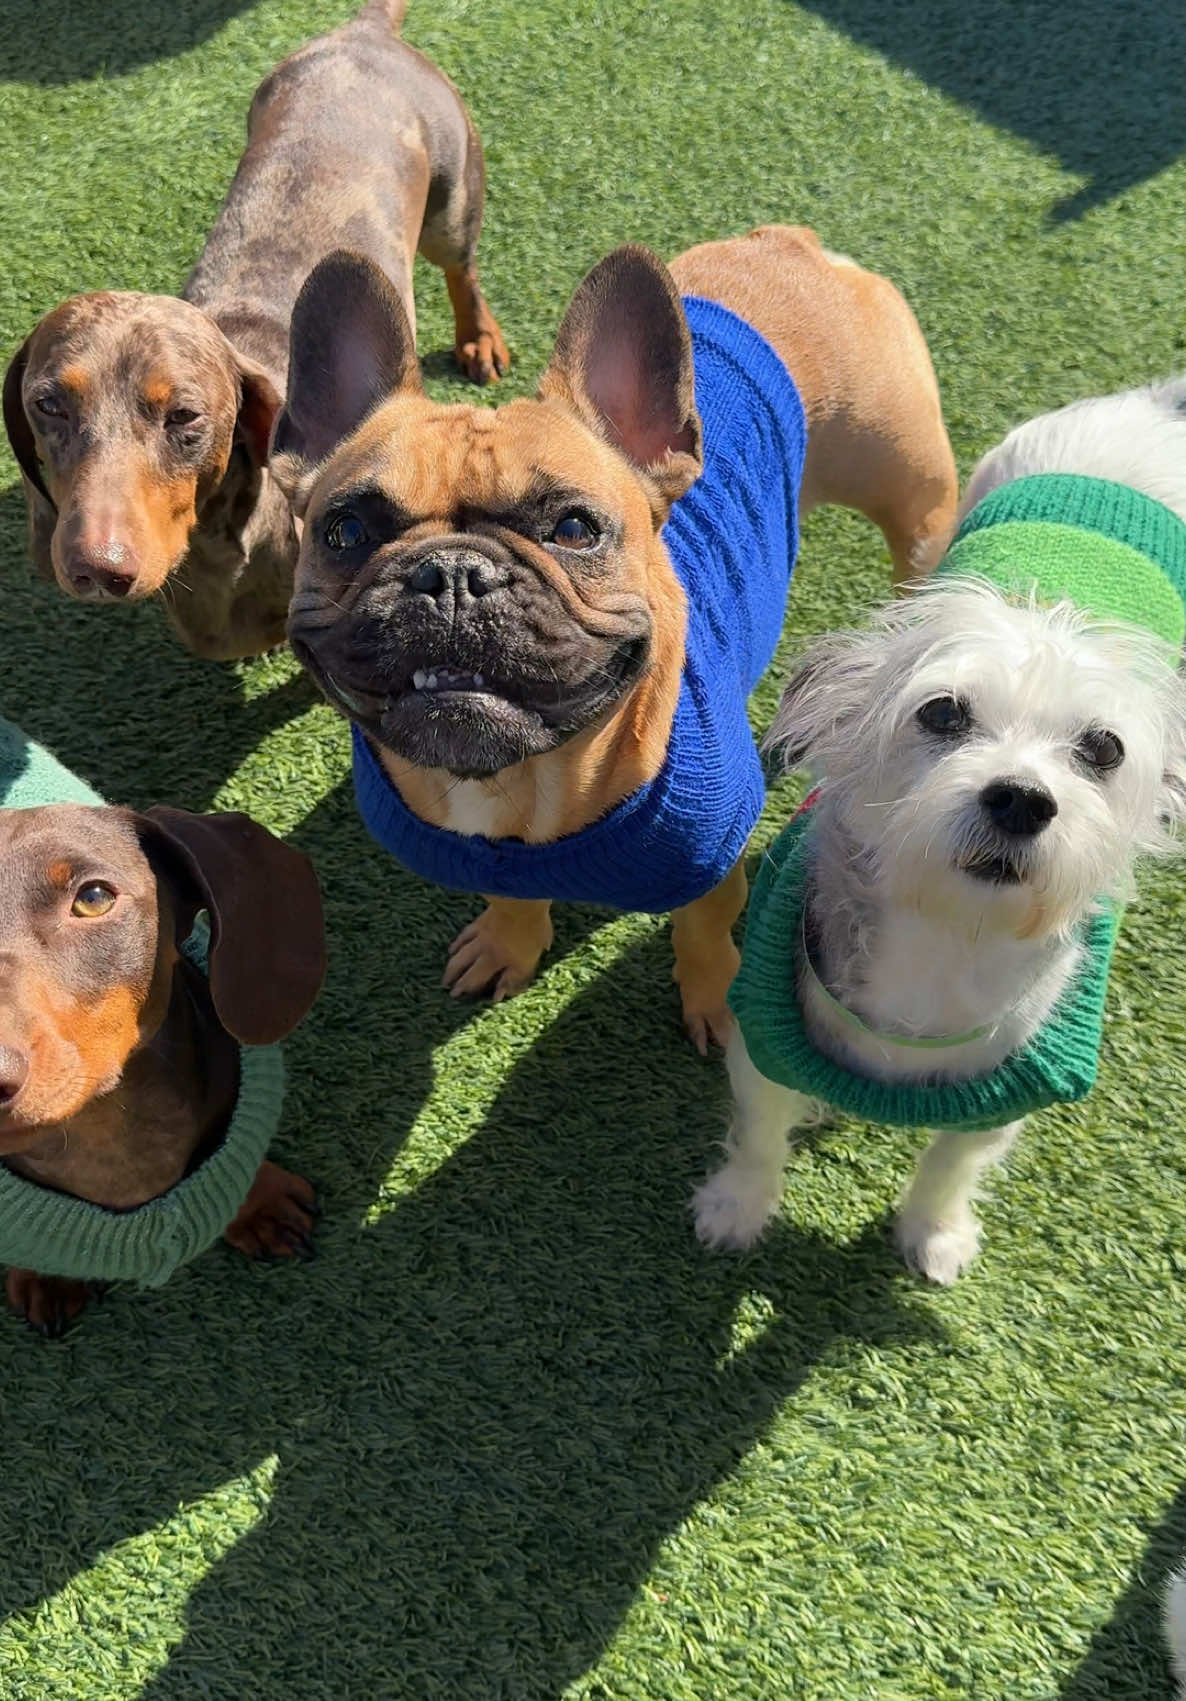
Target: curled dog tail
388	14
1174	1621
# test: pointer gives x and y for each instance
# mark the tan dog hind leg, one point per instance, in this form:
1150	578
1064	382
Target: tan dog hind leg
876	439
501	949
707	960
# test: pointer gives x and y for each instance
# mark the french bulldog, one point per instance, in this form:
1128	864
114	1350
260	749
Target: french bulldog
544	619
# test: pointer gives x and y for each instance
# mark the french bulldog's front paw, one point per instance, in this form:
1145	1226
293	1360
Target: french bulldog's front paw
498	953
49	1304
940	1250
485	358
733	1206
704	984
277	1217
708	1027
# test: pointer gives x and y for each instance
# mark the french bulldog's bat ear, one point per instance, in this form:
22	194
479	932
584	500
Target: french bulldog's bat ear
351	345
623	360
43	515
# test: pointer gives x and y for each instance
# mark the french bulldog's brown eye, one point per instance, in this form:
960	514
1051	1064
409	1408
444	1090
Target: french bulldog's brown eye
574	531
93	899
1100	750
345	531
49	406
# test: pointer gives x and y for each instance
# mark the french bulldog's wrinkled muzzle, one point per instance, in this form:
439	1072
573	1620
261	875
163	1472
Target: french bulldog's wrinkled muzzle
456	653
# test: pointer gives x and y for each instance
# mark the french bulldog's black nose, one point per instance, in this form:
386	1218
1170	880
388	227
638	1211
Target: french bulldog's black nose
456	575
14	1071
1017	808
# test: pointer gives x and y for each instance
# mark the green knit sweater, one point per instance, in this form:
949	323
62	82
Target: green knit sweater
1062	537
1057	1066
1056	536
58	1235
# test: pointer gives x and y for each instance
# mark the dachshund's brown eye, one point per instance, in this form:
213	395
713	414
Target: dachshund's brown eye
180	418
92	900
49	406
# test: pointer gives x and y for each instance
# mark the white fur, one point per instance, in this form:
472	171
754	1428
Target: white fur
909	940
1136	438
1174	1620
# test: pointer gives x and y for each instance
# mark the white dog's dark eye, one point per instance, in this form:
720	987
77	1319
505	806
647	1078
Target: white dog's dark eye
1100	749
946	716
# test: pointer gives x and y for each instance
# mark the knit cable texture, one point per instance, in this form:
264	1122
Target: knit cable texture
732	541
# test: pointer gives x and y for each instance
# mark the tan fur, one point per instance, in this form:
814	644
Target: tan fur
876	438
876	443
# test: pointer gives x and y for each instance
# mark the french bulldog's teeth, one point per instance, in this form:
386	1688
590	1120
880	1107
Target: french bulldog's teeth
431	682
418	678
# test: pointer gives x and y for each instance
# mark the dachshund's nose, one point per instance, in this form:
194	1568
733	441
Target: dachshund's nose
14	1072
100	569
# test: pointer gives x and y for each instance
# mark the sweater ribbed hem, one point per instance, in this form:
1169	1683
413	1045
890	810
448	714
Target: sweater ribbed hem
59	1235
676	838
1057	1066
1107	548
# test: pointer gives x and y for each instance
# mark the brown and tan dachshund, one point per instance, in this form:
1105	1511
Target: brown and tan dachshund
119	1059
141	422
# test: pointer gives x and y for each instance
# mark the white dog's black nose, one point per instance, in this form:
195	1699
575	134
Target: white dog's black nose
1017	808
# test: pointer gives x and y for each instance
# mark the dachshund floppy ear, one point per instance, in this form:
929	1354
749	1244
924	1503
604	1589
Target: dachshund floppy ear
43	516
267	932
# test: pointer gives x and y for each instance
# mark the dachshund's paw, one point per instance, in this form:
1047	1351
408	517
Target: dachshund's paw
49	1304
277	1218
485	357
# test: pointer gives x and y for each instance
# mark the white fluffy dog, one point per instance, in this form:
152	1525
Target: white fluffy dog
992	760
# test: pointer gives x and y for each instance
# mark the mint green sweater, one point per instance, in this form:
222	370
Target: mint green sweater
58	1235
1057	536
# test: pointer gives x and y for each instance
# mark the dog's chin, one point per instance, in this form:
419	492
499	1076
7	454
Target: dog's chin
440	715
470	732
993	869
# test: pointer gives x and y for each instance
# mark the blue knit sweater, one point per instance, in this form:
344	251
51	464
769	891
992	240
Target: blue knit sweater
732	541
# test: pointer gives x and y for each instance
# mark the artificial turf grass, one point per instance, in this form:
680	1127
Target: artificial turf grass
513	1434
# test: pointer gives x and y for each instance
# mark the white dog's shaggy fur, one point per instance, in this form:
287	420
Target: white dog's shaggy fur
930	920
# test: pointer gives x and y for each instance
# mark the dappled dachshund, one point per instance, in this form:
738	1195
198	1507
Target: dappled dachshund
135	1107
140	422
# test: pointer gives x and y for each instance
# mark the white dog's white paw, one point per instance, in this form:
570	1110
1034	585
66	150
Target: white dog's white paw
734	1205
940	1251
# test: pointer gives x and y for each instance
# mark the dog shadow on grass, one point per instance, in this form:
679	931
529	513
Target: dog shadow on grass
117	696
1127	1657
489	1406
105	36
1095	85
